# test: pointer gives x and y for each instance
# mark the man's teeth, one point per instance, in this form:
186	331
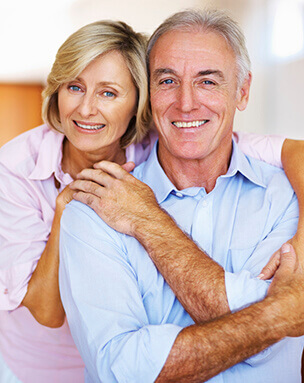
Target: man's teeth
191	124
89	127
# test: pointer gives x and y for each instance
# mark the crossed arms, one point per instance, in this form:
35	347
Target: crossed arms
195	342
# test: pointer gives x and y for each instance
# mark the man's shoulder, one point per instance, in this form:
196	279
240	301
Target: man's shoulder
81	221
276	188
139	171
267	174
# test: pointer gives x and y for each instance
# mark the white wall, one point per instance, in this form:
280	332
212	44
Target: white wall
31	32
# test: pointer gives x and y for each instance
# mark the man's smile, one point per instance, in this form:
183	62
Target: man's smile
189	124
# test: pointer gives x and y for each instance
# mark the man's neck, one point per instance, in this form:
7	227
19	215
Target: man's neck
184	173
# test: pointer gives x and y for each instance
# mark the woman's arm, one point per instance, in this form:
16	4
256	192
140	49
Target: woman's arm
43	297
267	148
293	163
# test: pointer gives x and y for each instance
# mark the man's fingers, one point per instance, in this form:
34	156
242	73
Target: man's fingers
87	186
128	166
87	198
111	168
269	270
95	175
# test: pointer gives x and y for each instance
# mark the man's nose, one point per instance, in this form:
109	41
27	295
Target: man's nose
187	99
88	105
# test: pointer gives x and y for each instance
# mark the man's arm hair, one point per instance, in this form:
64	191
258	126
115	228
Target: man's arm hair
203	351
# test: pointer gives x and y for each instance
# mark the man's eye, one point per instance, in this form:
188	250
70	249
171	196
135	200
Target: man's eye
208	82
167	81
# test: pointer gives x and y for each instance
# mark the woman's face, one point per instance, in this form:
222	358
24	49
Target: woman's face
95	109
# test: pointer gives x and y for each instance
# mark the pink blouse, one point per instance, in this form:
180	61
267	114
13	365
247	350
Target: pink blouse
29	164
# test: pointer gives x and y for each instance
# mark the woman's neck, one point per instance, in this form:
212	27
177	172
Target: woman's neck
75	160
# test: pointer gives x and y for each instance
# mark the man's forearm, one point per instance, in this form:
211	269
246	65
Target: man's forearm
197	280
203	351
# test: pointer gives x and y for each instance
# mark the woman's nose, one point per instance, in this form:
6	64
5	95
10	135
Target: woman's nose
88	105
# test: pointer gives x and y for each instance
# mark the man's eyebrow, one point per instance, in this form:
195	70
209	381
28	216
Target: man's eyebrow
159	71
211	71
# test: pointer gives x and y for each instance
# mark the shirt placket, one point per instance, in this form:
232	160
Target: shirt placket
202	232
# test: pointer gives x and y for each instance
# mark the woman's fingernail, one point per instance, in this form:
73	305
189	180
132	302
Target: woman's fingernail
285	248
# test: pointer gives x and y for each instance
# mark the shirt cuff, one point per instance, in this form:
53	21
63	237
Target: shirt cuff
13	284
159	340
242	289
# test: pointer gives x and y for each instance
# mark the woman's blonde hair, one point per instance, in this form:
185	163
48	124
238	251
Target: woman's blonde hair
80	49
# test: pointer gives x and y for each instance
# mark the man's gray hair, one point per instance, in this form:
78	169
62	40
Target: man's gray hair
194	20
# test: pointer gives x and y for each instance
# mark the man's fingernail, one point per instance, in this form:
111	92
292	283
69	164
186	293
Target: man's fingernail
261	276
285	248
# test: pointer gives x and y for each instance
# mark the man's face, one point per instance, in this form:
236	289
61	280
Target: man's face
194	94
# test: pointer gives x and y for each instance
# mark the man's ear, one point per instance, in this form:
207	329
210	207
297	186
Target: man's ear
243	93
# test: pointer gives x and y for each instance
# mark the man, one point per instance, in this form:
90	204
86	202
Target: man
128	324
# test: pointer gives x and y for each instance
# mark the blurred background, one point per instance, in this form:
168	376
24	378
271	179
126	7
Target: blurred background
31	31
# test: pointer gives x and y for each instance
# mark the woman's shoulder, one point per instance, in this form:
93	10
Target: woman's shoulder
25	148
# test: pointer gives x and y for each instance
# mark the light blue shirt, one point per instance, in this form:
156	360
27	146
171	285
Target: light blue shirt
124	317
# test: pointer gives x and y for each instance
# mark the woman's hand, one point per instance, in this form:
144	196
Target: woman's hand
63	198
273	264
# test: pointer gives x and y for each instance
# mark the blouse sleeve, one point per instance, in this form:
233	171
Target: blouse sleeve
262	147
25	224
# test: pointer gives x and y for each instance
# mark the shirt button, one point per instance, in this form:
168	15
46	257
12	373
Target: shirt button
178	194
5	291
204	203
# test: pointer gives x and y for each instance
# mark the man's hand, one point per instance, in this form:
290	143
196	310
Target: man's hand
287	288
121	200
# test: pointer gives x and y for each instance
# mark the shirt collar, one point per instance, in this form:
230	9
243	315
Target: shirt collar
154	176
243	164
49	156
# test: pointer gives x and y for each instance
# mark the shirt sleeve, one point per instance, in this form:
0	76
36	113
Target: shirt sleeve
104	305
23	235
267	148
243	287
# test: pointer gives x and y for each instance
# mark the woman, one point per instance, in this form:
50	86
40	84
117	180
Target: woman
95	107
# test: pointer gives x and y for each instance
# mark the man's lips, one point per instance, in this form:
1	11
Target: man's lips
89	126
189	124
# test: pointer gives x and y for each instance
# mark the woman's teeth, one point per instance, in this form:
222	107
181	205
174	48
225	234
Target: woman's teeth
89	127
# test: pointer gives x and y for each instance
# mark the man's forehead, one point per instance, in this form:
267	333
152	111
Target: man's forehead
201	50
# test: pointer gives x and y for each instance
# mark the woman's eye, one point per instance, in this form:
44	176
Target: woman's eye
108	94
74	88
